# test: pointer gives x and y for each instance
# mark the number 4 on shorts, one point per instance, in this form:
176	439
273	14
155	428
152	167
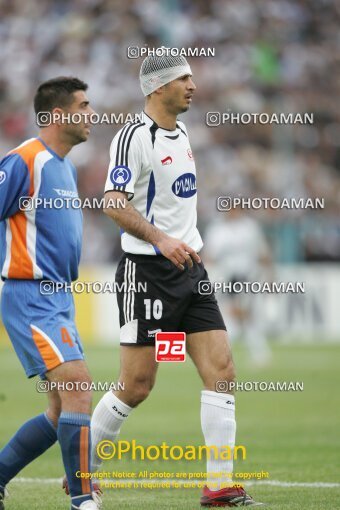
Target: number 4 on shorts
65	336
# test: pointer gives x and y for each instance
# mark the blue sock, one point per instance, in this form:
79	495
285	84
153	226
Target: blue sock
31	440
74	435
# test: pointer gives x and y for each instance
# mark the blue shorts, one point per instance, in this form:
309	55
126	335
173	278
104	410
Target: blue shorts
41	327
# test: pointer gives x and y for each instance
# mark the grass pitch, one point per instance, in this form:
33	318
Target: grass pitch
294	436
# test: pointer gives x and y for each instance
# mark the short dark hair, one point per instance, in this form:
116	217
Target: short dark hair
57	93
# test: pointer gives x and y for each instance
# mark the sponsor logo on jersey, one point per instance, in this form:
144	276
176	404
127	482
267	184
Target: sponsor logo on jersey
185	185
190	154
152	332
120	175
66	193
167	160
3	176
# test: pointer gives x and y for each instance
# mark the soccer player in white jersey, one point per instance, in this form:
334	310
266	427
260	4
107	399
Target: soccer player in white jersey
237	247
152	168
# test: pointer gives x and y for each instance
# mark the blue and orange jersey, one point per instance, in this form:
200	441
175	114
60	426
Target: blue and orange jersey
42	243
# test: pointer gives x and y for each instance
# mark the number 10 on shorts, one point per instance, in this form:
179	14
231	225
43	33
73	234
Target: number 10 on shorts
170	346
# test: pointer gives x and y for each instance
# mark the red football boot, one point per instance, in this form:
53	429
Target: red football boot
230	496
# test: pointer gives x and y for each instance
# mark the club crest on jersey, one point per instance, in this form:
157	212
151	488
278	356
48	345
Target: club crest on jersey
3	176
167	160
190	154
120	175
185	186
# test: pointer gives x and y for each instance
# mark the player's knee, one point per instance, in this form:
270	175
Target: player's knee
229	370
138	397
139	391
78	401
227	373
77	393
219	375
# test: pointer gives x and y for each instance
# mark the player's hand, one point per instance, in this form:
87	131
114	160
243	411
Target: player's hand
177	252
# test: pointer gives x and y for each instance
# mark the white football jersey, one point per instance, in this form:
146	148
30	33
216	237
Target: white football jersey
156	168
236	246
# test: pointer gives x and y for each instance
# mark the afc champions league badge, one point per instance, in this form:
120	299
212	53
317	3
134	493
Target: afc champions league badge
120	175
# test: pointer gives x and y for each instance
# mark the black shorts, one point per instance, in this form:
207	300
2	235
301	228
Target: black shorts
153	295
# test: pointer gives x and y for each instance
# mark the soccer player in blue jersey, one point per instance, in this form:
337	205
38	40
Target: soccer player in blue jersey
44	244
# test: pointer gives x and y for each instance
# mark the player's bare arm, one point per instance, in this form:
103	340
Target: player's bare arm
132	221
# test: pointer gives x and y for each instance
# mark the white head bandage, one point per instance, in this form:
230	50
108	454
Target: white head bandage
158	70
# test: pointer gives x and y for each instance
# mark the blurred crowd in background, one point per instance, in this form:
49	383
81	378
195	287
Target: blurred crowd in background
270	56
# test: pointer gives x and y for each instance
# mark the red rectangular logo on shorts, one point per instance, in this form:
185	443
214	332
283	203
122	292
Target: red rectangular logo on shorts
170	346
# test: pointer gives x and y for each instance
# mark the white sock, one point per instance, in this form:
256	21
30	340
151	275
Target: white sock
219	429
107	418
